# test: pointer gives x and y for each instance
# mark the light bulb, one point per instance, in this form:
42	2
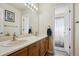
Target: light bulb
36	8
32	4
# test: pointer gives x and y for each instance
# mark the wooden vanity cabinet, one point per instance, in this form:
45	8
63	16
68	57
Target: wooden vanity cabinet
42	47
47	44
39	48
33	49
22	52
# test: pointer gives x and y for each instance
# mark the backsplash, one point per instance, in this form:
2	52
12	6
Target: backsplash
4	38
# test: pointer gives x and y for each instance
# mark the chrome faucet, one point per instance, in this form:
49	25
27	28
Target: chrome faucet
14	36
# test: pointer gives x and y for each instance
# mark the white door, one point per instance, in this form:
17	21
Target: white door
25	24
67	31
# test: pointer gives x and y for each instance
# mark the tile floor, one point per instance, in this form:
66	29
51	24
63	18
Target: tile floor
58	53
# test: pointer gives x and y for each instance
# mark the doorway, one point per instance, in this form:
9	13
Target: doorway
62	30
25	24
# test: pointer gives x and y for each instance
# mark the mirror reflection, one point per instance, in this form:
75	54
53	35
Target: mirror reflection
25	14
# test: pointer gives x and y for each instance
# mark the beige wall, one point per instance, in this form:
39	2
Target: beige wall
45	17
76	29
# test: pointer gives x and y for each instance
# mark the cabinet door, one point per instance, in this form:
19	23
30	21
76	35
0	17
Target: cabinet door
33	49
47	44
22	52
42	47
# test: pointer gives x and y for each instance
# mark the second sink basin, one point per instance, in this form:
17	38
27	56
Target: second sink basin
18	41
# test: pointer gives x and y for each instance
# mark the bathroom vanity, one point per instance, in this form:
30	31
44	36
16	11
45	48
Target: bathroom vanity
39	48
33	46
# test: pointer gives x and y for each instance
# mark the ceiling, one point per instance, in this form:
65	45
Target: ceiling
57	5
20	6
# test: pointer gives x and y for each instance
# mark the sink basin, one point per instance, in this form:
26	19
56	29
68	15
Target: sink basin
18	41
9	43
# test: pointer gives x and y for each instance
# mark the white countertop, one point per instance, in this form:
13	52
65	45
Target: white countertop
6	50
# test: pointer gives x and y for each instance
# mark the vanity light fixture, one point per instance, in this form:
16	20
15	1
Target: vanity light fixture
31	6
26	4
